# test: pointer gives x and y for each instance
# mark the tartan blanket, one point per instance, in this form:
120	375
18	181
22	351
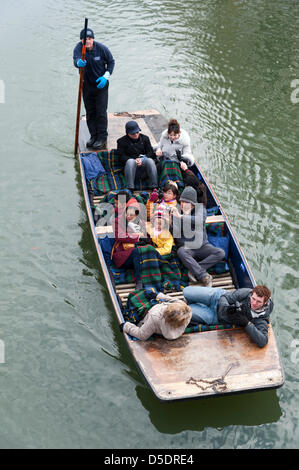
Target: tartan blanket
170	171
113	179
160	272
109	160
107	182
138	305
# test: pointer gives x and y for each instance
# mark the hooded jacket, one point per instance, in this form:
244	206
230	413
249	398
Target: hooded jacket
257	327
119	254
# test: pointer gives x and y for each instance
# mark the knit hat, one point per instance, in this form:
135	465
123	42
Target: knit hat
189	195
89	33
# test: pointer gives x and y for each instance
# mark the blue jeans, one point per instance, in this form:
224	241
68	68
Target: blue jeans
203	302
146	170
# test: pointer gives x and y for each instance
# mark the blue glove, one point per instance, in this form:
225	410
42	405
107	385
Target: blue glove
81	63
101	82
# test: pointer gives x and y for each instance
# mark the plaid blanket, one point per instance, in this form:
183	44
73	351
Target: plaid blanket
160	272
170	171
107	182
109	160
138	305
113	179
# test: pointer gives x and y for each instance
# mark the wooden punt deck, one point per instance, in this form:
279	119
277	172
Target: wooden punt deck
201	364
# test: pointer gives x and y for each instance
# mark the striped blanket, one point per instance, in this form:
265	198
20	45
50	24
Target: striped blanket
113	179
160	272
170	171
138	305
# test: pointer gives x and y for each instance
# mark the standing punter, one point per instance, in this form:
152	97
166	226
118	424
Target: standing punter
99	65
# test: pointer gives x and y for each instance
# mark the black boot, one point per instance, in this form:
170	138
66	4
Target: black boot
91	141
100	144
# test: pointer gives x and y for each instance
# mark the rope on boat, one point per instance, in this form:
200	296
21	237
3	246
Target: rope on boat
132	115
218	385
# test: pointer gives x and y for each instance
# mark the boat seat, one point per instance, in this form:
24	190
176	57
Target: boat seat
98	199
105	229
219	280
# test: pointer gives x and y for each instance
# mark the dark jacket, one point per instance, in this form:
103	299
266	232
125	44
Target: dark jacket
190	230
190	179
99	60
128	148
257	327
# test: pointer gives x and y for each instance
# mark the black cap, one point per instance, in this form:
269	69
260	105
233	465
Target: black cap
89	33
132	127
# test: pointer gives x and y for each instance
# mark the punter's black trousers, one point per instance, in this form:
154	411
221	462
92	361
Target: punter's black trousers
96	103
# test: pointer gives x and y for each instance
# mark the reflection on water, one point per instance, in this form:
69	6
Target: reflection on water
219	412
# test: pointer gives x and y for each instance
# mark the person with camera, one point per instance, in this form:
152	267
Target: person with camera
245	307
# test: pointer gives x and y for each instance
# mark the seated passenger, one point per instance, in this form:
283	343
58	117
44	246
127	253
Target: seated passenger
175	144
190	236
190	179
134	222
169	199
137	156
125	253
170	196
168	318
245	307
160	234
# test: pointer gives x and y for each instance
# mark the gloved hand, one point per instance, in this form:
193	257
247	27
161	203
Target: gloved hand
81	63
154	196
101	82
121	327
179	155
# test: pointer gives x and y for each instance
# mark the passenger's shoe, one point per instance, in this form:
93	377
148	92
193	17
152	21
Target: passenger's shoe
100	144
192	278
91	141
207	280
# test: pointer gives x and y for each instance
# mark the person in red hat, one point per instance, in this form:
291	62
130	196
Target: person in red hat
125	252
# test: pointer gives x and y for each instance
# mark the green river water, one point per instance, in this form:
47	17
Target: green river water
227	70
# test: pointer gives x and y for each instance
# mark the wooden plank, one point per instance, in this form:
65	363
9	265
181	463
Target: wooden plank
169	365
117	123
104	229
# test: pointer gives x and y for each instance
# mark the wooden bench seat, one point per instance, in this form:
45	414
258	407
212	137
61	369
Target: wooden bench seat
105	229
221	280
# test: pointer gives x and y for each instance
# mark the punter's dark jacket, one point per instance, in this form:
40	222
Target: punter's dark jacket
132	148
98	61
257	327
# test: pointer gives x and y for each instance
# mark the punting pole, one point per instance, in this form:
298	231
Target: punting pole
80	89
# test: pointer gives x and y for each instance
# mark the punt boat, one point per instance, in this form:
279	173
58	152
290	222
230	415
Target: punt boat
200	363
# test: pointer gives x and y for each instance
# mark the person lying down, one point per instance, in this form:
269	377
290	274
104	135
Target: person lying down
168	318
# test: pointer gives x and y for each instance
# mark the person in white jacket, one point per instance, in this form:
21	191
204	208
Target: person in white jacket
175	144
168	318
